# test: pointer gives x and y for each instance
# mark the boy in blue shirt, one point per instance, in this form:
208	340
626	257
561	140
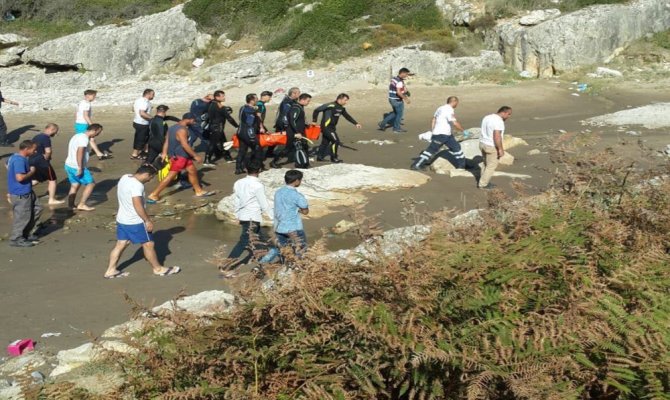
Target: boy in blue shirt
25	205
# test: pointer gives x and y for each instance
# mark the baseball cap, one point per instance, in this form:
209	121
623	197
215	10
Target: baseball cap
162	107
188	115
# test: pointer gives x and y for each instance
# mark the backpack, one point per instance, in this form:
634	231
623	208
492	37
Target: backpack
301	156
204	121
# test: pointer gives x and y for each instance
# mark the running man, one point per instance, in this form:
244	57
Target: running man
330	141
441	126
142	116
218	113
182	156
41	160
491	144
3	126
250	127
397	98
83	121
133	224
295	129
76	167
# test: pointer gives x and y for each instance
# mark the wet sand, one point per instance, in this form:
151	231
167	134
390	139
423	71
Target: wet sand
58	286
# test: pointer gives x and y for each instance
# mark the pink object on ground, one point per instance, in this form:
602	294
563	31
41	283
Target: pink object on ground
17	348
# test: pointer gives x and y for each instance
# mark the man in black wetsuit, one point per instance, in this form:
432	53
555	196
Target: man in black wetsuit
157	131
261	105
250	127
330	141
218	114
281	123
295	129
198	108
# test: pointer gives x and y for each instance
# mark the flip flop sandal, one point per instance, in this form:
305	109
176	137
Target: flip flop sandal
105	156
119	274
170	271
206	194
152	201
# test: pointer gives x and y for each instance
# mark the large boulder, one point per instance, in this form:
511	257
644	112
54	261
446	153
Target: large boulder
460	12
11	56
144	44
592	35
333	185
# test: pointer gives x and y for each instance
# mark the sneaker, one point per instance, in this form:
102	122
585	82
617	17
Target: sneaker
400	131
415	167
380	127
21	243
33	239
209	165
336	160
488	187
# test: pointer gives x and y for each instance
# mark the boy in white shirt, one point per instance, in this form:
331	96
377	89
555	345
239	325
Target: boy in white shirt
83	121
491	144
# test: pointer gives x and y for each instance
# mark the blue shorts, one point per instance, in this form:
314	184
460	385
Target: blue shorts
137	234
85	179
80	128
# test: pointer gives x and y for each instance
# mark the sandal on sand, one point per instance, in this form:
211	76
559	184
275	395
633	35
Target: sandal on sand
105	156
205	194
149	200
170	271
132	157
119	274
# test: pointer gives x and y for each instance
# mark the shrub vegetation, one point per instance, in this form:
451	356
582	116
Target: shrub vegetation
559	297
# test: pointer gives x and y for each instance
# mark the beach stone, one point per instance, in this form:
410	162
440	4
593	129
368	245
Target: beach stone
71	359
11	39
608	72
123	330
142	45
224	41
588	36
10	392
506	159
11	56
23	364
442	166
330	186
204	303
343	226
391	242
116	346
537	16
534	152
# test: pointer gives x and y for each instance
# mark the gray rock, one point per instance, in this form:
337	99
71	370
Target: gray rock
224	41
256	65
201	304
592	35
537	16
69	360
653	116
390	243
459	12
608	72
11	56
11	39
146	43
534	152
442	166
23	364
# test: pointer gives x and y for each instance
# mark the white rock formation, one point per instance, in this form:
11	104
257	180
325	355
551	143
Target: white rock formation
141	46
588	36
201	304
75	358
460	12
653	116
536	16
333	185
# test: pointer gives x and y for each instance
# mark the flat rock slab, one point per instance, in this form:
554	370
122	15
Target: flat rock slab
653	116
333	185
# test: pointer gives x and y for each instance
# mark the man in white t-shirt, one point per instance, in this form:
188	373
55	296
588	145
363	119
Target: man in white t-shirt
141	120
491	144
83	119
441	127
76	167
133	224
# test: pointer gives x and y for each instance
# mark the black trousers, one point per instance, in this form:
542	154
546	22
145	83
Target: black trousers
216	141
155	149
288	151
247	145
141	136
330	142
3	130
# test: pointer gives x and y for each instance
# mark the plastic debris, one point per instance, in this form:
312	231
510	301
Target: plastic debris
197	63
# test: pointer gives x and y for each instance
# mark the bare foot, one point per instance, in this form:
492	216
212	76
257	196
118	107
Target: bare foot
55	202
85	208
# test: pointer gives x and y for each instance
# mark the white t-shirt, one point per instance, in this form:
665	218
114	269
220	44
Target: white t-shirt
83	108
77	141
444	116
141	104
490	123
127	188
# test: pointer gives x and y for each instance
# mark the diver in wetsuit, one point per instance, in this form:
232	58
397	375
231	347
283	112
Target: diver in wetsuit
330	141
250	127
295	130
281	123
217	115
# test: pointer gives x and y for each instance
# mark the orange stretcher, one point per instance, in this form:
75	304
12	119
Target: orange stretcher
265	140
313	132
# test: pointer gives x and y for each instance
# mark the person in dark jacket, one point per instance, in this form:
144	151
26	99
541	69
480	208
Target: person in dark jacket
330	141
250	127
198	108
157	130
295	129
281	123
217	115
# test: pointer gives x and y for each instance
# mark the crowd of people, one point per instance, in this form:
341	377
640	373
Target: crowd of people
170	153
